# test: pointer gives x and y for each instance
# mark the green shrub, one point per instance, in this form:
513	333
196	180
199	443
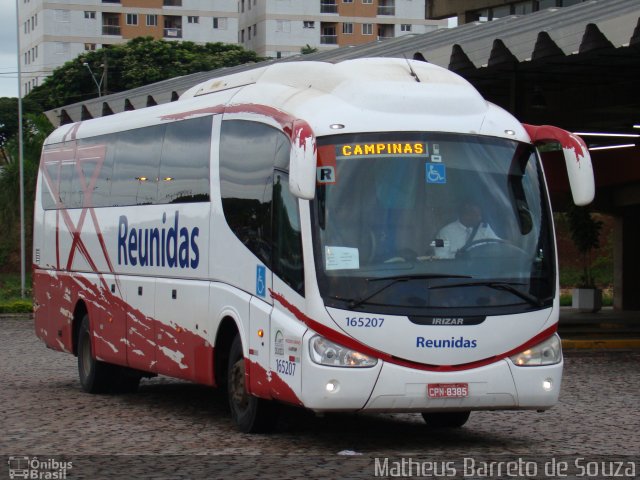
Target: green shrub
16	306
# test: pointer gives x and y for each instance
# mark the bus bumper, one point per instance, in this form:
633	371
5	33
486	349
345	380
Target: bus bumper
498	386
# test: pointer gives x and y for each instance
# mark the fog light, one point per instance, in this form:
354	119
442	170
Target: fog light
332	386
547	385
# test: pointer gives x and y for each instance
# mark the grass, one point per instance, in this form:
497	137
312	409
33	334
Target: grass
10	299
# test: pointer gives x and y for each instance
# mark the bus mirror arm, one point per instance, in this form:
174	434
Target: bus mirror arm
576	156
302	161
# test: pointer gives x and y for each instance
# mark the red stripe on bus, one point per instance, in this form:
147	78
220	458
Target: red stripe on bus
354	344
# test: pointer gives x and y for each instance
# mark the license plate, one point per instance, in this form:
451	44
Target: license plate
448	390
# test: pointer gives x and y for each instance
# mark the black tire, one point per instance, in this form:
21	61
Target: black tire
101	377
446	419
251	414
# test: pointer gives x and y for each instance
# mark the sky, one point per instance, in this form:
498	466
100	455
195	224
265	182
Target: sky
8	51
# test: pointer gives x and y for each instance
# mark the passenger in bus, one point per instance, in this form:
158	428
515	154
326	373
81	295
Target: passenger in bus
458	235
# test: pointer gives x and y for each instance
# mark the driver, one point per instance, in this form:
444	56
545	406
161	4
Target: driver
459	234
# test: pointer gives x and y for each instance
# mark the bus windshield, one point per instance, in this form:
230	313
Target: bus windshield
432	223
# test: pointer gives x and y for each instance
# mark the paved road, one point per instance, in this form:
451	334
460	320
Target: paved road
173	429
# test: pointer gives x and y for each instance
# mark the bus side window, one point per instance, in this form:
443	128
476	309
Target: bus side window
135	170
184	168
287	237
247	152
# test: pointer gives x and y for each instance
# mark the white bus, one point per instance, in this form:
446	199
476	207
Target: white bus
279	232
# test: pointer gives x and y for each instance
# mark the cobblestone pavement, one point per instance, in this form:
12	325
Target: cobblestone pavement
174	429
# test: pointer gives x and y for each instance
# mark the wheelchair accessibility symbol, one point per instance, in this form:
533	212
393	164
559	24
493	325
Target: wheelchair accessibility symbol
261	281
436	173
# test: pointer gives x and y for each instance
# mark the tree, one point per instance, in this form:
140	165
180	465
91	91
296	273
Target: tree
307	49
585	233
9	122
37	127
139	62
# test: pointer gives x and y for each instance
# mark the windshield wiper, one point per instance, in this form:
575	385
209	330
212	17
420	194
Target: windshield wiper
398	278
509	287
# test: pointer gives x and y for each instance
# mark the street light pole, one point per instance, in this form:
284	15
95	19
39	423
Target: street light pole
98	84
21	160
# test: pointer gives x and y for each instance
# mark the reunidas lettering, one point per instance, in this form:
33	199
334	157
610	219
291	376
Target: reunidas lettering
454	342
173	247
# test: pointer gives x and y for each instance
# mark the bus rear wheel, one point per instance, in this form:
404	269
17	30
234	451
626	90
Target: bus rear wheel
446	419
101	377
251	414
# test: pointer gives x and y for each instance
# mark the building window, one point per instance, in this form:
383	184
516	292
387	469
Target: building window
242	36
90	15
152	20
132	19
405	27
347	1
347	28
61	15
219	23
255	29
308	24
172	3
367	29
249	32
283	26
193	19
367	1
89	46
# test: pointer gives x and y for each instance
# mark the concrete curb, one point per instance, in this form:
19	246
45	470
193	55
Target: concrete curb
601	344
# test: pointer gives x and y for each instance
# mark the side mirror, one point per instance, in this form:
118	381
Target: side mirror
302	161
576	157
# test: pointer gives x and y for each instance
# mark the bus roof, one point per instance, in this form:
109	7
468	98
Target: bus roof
370	94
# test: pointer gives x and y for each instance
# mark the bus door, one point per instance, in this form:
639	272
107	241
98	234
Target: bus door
288	287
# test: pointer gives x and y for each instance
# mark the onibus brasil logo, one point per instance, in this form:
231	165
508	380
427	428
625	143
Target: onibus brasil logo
35	468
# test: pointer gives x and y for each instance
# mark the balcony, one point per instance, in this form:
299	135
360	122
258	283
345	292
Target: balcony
111	30
328	39
387	7
173	33
328	7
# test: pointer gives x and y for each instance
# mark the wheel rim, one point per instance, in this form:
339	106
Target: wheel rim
86	356
237	392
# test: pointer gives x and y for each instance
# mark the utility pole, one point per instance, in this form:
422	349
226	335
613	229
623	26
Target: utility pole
98	84
21	160
104	74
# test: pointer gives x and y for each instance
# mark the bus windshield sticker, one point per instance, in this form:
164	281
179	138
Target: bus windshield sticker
341	258
436	173
326	175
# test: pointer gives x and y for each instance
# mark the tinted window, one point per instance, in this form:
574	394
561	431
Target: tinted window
184	168
135	171
248	153
287	238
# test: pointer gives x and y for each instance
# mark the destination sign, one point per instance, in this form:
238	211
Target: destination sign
395	148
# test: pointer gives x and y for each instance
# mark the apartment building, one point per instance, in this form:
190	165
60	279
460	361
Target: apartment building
486	10
279	28
53	32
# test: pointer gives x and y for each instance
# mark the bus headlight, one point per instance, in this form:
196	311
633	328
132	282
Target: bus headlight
544	353
326	352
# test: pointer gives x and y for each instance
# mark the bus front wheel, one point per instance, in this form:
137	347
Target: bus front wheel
251	414
446	419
